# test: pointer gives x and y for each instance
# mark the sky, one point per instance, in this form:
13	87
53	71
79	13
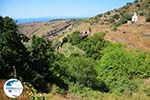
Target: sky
57	8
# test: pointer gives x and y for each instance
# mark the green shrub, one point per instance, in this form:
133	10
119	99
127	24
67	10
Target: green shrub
136	1
116	16
100	15
112	20
73	38
124	18
71	50
82	71
147	91
118	68
93	45
148	17
114	28
108	13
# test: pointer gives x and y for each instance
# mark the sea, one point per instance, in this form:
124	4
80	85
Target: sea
41	19
29	20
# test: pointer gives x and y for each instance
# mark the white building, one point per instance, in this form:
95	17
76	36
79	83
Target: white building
134	17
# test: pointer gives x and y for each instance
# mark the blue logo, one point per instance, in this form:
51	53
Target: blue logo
13	88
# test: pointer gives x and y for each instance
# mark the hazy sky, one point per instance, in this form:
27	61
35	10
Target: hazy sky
57	8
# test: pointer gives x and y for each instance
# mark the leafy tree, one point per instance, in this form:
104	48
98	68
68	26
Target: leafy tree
1	24
43	65
34	65
13	53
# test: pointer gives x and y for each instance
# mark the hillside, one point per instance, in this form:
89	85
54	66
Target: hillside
98	58
46	29
118	27
142	7
116	19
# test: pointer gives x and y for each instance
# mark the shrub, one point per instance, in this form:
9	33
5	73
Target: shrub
128	4
147	91
82	71
100	15
73	38
124	18
111	20
118	68
148	17
108	13
116	16
136	1
114	28
93	45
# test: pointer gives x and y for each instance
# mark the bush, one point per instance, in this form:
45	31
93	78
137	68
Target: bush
108	13
111	20
100	15
118	68
124	18
114	28
116	16
93	45
73	38
82	71
148	18
136	1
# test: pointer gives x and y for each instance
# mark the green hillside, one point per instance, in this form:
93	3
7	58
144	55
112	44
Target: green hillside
76	67
123	14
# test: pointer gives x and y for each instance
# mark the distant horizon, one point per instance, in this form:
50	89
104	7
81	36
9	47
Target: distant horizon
52	17
56	8
42	19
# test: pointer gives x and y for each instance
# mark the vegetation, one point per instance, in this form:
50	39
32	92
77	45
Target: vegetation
74	38
93	68
119	68
124	18
93	46
114	28
148	17
32	64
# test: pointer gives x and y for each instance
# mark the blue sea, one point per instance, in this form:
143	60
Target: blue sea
41	19
28	20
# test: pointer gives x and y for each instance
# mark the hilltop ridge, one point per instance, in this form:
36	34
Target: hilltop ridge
114	23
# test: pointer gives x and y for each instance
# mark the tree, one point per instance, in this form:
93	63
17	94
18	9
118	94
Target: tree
41	56
43	68
13	53
33	64
1	24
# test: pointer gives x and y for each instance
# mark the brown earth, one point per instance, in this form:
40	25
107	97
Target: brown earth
45	29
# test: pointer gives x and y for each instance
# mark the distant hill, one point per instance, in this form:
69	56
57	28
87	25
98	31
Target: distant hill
142	7
45	29
114	23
